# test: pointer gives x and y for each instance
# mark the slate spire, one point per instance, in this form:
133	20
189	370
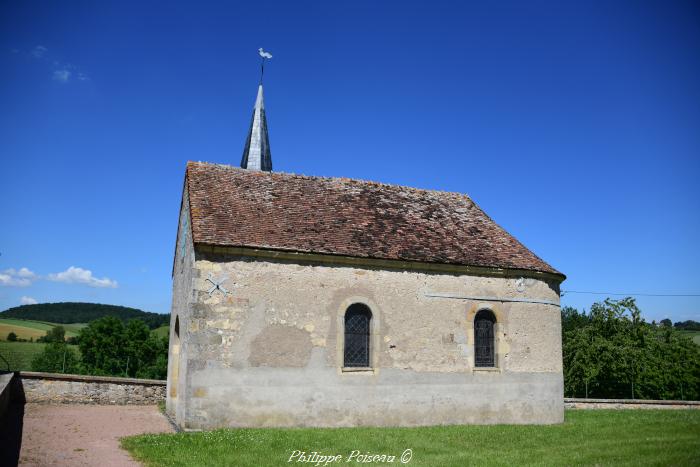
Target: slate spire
256	154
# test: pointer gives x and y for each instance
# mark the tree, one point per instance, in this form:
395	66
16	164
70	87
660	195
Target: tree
617	354
571	319
666	322
57	357
55	334
101	346
109	347
83	313
12	337
689	325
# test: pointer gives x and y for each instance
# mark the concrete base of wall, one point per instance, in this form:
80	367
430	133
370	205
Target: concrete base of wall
273	397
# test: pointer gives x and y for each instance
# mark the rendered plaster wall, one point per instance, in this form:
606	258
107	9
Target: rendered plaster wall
269	352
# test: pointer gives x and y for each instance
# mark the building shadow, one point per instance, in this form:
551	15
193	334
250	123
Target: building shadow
11	425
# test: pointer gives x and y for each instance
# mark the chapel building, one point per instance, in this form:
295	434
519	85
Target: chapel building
313	301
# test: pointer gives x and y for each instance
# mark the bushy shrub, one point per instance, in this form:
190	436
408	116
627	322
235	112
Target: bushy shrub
109	347
57	357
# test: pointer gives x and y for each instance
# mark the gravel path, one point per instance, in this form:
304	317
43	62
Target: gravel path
63	435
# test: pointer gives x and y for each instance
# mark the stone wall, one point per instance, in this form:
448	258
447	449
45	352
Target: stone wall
269	351
183	270
79	389
629	404
5	392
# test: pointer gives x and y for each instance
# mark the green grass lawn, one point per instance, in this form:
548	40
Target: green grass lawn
19	354
588	437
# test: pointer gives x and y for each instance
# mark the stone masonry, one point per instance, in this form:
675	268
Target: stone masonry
79	389
269	352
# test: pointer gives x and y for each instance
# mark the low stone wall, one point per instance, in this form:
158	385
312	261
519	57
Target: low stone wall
78	389
628	404
5	392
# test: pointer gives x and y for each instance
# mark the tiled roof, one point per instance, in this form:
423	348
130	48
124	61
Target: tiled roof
236	207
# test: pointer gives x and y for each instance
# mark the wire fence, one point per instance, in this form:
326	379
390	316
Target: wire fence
21	356
18	356
641	389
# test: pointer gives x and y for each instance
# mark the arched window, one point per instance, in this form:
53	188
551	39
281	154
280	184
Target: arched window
177	326
357	329
484	348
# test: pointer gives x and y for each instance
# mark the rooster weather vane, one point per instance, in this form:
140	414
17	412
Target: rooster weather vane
263	55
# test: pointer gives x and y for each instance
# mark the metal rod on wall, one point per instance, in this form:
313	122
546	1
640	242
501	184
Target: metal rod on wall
491	299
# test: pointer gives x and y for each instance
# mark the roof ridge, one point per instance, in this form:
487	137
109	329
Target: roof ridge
327	178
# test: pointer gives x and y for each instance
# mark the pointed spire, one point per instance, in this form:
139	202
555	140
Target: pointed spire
256	154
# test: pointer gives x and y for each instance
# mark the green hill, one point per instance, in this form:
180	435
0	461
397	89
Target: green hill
163	331
69	312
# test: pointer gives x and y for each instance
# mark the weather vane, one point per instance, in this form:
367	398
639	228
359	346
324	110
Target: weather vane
263	55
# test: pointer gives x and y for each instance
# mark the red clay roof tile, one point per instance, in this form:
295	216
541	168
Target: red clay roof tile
237	207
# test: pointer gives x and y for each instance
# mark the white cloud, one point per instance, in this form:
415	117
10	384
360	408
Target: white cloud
62	76
74	275
63	72
17	278
39	51
28	300
26	273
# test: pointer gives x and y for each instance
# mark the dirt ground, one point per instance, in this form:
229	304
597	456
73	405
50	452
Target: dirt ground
79	435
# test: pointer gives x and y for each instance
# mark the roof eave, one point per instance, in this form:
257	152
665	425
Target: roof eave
374	262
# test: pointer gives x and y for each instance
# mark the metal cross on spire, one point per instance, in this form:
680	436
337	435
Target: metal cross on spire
263	55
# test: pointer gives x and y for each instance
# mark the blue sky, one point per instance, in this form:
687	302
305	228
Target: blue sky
576	126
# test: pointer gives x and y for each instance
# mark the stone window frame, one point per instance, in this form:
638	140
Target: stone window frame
374	337
497	337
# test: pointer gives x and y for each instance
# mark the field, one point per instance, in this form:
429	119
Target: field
18	355
695	335
163	331
588	437
26	329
